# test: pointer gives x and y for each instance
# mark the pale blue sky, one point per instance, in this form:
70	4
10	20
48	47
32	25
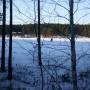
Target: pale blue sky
49	12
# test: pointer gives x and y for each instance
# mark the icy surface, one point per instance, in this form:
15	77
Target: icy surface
55	58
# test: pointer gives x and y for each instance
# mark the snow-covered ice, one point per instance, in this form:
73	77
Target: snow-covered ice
55	56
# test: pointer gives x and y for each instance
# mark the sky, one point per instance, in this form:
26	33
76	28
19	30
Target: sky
51	11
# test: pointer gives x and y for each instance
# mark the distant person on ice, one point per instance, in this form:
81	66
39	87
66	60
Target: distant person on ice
51	39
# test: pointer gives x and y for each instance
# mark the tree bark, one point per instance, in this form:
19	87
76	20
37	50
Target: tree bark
39	43
3	37
10	46
73	51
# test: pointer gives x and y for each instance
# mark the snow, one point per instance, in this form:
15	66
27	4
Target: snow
55	58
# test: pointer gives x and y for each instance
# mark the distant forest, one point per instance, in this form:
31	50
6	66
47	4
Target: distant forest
48	30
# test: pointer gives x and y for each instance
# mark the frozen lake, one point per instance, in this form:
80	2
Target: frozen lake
56	52
56	63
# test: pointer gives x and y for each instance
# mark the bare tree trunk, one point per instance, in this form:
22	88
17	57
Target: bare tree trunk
3	37
10	46
73	51
39	43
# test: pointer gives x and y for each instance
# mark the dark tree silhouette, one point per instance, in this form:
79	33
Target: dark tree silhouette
73	51
39	43
3	37
10	46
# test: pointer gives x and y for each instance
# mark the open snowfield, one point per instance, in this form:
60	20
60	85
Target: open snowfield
55	58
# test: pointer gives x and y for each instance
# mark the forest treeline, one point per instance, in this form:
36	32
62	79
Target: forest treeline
48	30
